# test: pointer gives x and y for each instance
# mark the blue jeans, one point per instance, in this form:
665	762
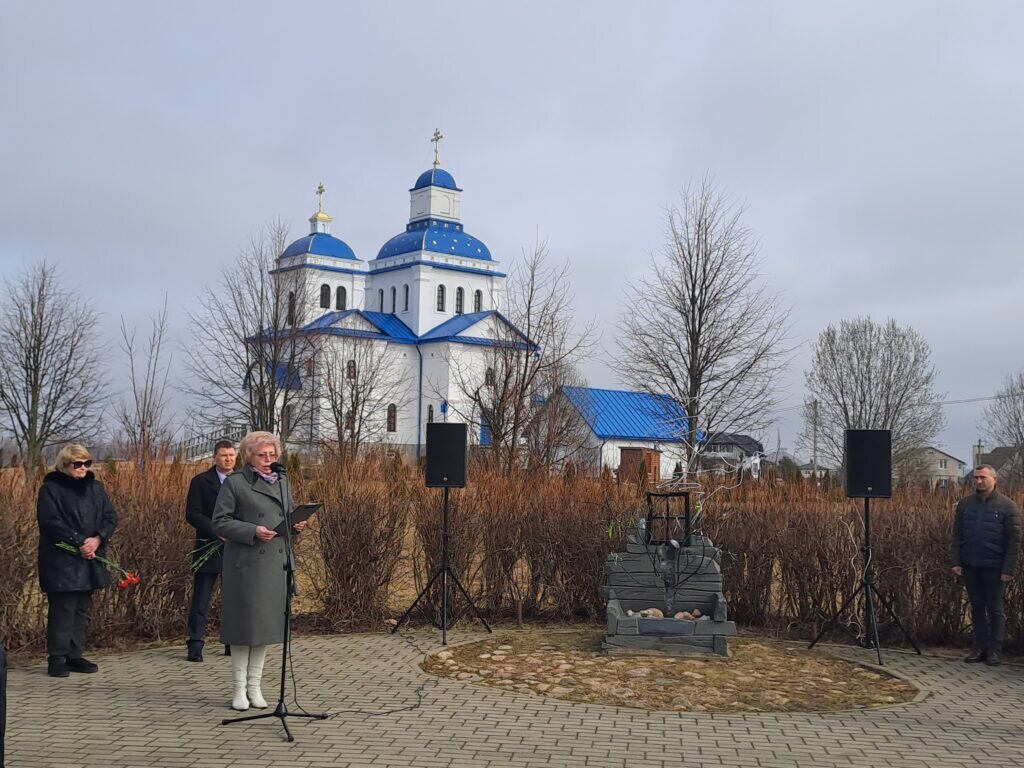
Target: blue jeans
985	588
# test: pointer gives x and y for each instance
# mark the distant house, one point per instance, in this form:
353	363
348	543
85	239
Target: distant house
730	452
821	472
933	467
1007	460
622	426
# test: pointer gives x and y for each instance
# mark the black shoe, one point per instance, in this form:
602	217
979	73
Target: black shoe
976	656
227	650
195	656
57	668
994	659
81	665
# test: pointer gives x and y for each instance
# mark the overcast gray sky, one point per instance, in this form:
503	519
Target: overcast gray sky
875	145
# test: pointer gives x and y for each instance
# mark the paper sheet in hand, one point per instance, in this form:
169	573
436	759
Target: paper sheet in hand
300	514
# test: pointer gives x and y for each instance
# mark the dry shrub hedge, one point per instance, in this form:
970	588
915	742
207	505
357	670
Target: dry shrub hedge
528	546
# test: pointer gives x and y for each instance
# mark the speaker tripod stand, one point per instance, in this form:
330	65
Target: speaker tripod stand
871	592
447	576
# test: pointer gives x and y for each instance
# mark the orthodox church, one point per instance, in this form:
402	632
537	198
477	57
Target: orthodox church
404	336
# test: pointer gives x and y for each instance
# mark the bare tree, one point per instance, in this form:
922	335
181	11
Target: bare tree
52	387
866	375
1003	423
362	388
247	350
142	414
529	358
704	330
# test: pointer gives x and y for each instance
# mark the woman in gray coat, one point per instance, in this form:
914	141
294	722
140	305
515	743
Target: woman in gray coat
250	505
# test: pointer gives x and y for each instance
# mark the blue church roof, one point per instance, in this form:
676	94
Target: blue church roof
389	326
621	415
435	177
436	236
320	244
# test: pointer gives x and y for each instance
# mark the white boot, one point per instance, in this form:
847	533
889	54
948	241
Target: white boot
257	655
239	666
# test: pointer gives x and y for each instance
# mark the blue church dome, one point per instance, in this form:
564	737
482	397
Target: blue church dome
320	244
436	236
436	177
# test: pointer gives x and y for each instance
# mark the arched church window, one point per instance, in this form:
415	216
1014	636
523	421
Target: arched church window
340	298
350	420
380	298
440	298
405	298
291	307
350	370
392	418
478	301
430	414
394	298
325	296
489	377
460	300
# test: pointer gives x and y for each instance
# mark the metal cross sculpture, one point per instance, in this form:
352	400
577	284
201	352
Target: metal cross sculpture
436	141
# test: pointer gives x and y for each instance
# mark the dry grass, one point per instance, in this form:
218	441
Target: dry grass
527	545
761	676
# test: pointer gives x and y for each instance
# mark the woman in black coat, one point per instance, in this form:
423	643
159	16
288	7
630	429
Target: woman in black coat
73	508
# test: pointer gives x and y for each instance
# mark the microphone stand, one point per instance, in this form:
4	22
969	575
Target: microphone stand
281	710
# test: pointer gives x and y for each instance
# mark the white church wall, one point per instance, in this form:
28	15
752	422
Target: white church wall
670	454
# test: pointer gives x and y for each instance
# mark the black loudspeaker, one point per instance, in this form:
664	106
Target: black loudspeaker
867	463
446	455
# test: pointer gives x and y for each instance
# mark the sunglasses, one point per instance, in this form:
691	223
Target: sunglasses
79	464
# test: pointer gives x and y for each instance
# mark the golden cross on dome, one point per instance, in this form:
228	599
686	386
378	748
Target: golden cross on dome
436	141
320	197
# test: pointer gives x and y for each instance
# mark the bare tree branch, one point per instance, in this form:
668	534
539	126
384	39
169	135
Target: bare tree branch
52	387
511	393
870	376
142	414
246	352
1003	423
703	330
358	380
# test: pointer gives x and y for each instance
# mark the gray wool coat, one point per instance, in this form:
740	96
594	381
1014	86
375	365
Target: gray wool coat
253	582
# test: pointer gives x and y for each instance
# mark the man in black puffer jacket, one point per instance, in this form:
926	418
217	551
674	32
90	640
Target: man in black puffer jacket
986	545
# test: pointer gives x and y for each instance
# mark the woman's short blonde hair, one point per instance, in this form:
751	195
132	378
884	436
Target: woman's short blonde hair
70	453
253	441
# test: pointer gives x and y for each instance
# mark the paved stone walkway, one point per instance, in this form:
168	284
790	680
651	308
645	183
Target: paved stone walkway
151	708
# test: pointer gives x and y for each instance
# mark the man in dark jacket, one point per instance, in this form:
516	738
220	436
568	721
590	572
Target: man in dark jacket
986	545
202	497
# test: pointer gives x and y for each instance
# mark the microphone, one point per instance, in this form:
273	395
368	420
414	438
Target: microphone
278	467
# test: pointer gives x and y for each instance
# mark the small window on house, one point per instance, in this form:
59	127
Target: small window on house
405	298
430	414
286	419
380	299
350	420
291	307
460	301
478	301
392	418
942	463
340	298
489	377
394	295
325	296
440	298
350	370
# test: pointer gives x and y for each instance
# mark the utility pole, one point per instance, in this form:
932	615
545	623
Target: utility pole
814	441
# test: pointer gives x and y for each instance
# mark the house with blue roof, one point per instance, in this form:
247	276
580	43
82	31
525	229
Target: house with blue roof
400	334
618	421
